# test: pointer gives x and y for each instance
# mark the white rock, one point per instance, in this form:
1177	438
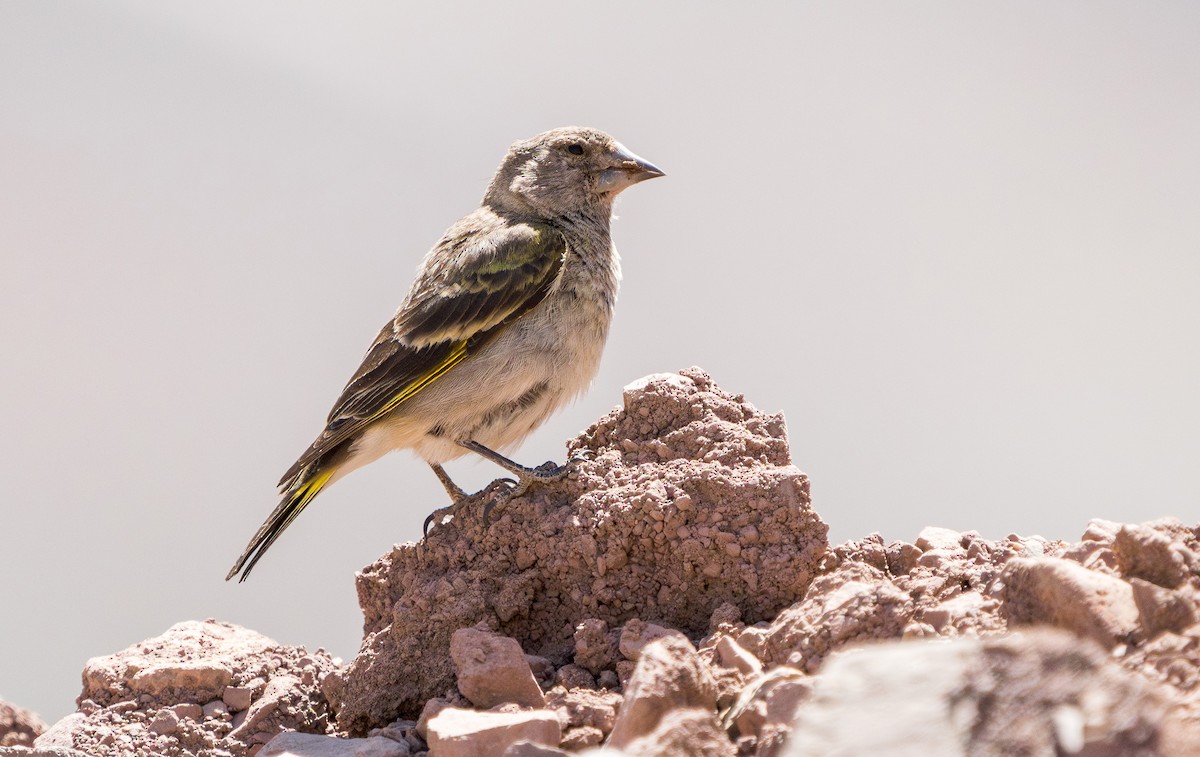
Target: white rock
292	744
455	732
933	537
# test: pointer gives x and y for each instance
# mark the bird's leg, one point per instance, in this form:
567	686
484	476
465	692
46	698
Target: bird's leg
453	489
525	475
457	495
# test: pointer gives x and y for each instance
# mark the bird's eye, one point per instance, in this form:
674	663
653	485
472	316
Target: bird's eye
575	149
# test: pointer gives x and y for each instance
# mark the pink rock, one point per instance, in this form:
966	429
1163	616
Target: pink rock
199	676
734	655
581	737
1152	555
429	712
312	745
595	646
493	670
455	732
162	696
530	749
573	676
855	602
690	732
584	707
1162	609
932	537
1042	692
1049	590
164	723
668	676
639	530
636	634
237	698
18	726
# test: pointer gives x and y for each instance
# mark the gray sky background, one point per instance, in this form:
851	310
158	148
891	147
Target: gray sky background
958	244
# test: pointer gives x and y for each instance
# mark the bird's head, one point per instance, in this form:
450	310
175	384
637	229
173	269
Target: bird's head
566	170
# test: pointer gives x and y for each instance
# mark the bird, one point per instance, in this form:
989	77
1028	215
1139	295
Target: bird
504	324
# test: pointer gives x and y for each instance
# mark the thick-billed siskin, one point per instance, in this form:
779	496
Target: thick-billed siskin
504	324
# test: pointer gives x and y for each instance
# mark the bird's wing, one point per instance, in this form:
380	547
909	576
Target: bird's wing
478	282
471	286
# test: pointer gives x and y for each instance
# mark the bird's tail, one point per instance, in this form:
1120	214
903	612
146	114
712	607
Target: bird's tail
299	493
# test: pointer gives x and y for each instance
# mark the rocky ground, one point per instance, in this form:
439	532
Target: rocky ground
18	726
677	595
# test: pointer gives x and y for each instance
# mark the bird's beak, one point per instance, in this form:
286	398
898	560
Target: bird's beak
628	170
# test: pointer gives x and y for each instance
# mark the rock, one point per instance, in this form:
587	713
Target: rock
574	677
530	749
734	655
962	612
768	703
18	726
783	700
932	537
901	557
855	602
429	712
1146	553
492	670
216	710
689	513
166	694
62	733
188	710
636	634
54	751
259	716
643	529
165	722
1161	609
237	698
582	708
668	676
542	669
728	614
455	732
293	744
200	678
582	737
1100	530
596	647
1042	692
688	732
1047	590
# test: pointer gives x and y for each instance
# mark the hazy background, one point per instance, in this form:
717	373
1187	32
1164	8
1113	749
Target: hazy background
959	246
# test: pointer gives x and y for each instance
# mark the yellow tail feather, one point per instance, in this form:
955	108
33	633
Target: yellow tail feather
293	503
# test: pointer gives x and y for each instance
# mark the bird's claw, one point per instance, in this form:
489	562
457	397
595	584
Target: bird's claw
581	455
439	515
494	498
550	470
503	489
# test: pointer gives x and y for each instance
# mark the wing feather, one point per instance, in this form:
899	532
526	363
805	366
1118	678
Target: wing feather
473	285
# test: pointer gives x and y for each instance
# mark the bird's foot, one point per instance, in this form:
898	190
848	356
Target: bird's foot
525	476
547	471
581	455
499	488
437	516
